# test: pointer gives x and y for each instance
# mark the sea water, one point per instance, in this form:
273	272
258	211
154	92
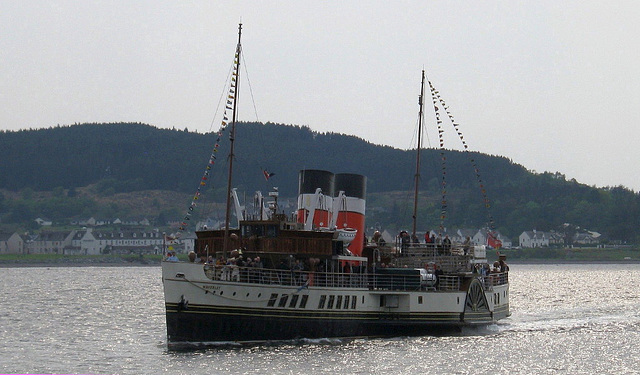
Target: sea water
566	319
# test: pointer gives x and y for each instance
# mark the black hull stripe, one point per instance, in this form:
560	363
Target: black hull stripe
202	327
336	315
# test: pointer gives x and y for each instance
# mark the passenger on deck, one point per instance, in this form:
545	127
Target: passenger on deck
256	271
466	246
438	244
235	272
258	263
503	266
404	242
171	257
414	239
496	267
485	270
282	265
297	266
240	261
427	238
446	244
297	269
376	237
438	272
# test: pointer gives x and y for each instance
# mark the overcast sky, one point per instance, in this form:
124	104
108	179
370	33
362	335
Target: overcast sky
552	85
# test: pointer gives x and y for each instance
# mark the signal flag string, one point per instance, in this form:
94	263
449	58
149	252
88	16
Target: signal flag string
212	159
438	100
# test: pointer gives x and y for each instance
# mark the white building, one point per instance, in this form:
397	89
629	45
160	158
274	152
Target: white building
531	239
11	243
84	243
51	242
126	242
43	222
475	235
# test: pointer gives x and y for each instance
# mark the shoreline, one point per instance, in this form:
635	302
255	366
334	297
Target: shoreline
56	260
124	263
565	261
68	265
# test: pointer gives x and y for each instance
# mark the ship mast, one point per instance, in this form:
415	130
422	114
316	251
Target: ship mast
417	176
232	134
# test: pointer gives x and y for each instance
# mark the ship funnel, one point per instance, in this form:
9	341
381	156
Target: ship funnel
351	210
315	196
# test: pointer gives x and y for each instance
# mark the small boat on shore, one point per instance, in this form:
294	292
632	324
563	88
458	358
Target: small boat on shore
313	274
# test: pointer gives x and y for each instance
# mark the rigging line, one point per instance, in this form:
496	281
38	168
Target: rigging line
246	71
426	133
263	168
473	163
443	212
230	105
225	90
414	141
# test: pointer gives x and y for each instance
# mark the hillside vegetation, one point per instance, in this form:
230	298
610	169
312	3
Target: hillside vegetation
124	169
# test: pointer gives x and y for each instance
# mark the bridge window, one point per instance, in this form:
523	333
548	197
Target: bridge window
339	302
259	230
272	300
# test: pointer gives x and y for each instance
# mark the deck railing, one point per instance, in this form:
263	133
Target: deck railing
494	279
375	281
271	276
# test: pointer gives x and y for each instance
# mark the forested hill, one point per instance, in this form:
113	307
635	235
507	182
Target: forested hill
143	157
126	157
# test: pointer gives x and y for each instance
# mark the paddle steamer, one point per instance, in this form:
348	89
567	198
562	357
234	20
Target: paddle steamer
314	274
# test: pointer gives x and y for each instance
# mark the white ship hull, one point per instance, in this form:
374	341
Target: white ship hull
201	310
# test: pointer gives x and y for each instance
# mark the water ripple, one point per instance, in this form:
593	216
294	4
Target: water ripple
566	319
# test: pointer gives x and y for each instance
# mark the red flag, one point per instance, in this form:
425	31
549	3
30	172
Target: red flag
493	241
267	175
